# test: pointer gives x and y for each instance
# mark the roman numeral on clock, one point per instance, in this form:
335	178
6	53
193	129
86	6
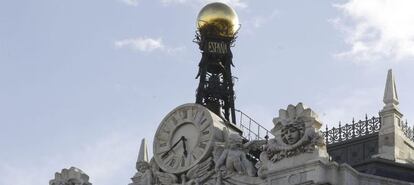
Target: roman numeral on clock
172	162
173	120
199	116
164	155
203	121
202	145
183	114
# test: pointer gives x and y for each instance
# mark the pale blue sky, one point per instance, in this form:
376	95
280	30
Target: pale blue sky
82	82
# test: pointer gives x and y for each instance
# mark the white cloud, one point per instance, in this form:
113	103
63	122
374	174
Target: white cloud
257	21
131	2
377	29
140	44
144	44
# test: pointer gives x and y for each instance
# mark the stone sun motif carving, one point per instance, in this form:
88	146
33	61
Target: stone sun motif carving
296	131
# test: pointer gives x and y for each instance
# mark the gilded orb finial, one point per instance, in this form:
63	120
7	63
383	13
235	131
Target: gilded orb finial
218	18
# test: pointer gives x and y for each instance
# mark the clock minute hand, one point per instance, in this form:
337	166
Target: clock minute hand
172	147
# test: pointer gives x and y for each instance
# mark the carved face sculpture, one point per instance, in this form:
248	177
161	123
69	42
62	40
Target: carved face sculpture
290	134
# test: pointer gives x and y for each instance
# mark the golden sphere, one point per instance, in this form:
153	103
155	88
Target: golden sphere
219	17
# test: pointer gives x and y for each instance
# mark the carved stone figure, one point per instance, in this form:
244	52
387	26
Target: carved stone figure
234	159
71	176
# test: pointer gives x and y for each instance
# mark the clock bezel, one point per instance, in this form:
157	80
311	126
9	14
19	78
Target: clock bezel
194	108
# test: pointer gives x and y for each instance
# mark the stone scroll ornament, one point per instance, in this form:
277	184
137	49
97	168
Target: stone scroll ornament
71	176
296	131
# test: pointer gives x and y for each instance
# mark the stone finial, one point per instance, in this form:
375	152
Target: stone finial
71	176
390	93
143	152
144	175
142	161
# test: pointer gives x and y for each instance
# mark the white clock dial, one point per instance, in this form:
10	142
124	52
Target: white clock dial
183	138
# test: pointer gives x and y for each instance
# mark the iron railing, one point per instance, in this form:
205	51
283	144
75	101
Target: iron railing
251	129
408	131
353	130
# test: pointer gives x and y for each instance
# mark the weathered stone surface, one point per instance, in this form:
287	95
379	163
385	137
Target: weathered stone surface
323	172
71	176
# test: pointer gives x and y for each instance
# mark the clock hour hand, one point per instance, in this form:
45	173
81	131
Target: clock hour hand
172	147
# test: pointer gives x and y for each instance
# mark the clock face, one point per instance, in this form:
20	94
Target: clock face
183	138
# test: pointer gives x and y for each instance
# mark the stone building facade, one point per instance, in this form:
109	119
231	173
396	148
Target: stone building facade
378	150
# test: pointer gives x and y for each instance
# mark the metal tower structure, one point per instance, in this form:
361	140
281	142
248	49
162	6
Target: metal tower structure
215	36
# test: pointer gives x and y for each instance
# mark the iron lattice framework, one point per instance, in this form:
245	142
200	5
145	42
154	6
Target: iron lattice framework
215	90
353	130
